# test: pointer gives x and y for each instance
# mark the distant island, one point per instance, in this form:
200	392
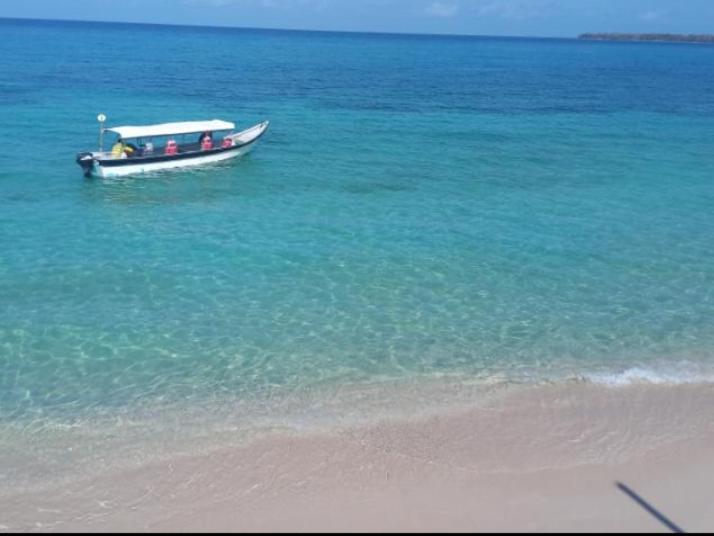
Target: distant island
677	38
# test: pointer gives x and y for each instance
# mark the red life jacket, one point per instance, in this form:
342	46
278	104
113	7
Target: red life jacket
171	147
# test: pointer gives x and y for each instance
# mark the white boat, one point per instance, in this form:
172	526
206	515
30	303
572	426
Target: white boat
172	150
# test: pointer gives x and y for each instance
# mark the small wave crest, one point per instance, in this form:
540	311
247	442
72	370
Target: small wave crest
688	373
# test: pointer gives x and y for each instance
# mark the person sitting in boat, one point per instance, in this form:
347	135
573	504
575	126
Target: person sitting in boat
121	149
206	141
147	149
171	147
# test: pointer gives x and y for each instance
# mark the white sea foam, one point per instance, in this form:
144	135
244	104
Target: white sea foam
686	373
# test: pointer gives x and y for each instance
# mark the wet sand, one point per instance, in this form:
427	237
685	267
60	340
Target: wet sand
570	457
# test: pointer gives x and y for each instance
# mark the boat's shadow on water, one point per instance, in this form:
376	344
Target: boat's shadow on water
212	183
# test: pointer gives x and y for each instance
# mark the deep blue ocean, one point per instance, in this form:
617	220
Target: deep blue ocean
483	209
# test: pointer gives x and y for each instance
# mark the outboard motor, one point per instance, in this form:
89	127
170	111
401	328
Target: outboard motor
86	162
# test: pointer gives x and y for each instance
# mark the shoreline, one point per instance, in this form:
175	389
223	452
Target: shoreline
56	449
539	458
705	39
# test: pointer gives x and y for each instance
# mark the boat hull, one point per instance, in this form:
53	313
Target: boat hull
104	171
111	168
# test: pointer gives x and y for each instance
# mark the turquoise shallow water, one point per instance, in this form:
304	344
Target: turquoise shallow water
517	209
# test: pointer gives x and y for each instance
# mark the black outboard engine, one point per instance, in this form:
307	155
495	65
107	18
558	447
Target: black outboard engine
86	162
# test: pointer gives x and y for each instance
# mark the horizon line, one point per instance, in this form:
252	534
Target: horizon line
307	30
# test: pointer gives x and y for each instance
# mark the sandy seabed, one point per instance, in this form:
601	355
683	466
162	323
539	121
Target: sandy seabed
575	457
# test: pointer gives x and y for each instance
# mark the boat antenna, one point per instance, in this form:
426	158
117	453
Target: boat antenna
101	118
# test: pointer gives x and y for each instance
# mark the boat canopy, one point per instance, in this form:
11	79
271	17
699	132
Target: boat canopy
171	129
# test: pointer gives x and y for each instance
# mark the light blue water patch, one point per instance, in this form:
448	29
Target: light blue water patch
420	205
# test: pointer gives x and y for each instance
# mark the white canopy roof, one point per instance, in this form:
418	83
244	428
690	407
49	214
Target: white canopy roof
170	129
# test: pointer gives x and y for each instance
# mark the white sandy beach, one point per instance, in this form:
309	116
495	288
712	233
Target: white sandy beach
538	459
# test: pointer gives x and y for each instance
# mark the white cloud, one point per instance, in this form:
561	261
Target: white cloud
440	9
289	4
512	9
653	14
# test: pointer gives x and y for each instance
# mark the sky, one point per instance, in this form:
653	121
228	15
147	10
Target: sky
538	18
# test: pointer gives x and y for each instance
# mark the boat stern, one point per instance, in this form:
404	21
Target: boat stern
86	162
